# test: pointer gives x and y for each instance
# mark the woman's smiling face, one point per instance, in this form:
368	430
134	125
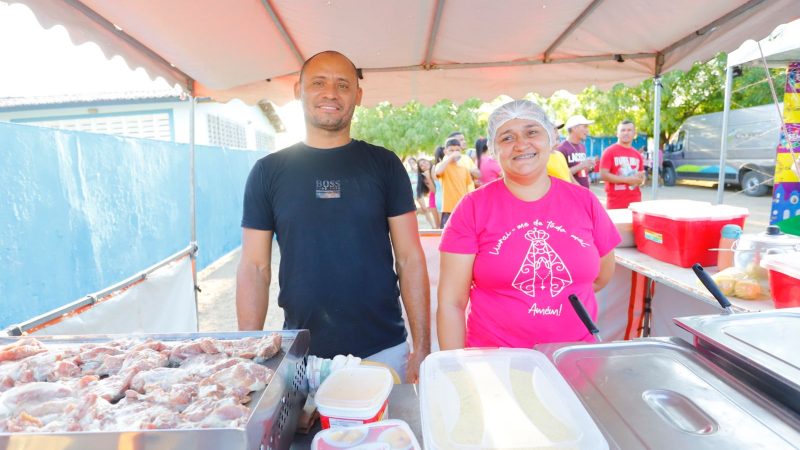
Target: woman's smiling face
522	147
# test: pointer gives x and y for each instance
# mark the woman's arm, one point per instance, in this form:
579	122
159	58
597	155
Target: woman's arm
455	279
606	271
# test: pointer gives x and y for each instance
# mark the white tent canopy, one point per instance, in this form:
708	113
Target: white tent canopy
781	47
421	50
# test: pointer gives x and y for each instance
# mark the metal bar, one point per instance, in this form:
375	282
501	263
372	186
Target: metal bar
536	62
656	161
110	27
93	298
282	29
571	28
723	148
437	18
711	27
193	202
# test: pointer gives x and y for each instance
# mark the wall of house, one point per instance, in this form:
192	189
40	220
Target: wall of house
82	211
178	112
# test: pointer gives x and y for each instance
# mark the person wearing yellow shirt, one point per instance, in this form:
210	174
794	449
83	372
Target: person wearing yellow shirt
456	179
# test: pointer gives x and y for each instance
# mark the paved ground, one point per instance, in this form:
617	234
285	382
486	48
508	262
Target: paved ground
218	281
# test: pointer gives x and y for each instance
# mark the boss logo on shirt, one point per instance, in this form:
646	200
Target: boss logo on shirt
329	188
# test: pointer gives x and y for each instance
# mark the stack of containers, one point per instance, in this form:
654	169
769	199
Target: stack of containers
682	232
354	396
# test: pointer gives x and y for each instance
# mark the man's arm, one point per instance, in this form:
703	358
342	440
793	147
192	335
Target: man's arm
585	164
414	287
455	278
439	169
633	180
252	279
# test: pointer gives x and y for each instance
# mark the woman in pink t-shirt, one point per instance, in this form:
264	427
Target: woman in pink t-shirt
490	169
515	249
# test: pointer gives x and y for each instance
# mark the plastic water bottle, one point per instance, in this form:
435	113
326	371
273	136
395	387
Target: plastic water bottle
730	233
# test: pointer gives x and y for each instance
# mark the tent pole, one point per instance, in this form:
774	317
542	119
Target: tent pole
723	149
193	203
656	165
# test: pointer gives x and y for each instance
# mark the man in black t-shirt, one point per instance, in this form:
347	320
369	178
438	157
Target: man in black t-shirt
344	218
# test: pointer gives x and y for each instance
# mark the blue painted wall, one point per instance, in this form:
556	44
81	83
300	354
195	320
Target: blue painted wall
596	144
81	211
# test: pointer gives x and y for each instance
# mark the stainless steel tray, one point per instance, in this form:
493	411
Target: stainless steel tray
661	393
272	422
762	346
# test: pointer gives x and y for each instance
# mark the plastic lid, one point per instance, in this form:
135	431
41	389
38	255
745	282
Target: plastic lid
354	392
731	231
389	434
769	238
500	398
785	263
688	210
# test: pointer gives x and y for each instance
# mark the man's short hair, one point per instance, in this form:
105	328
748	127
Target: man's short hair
452	142
454	134
626	122
356	70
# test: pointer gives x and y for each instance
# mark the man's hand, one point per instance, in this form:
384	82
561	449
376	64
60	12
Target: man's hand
415	358
637	180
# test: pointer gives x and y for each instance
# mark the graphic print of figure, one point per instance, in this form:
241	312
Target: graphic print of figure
542	268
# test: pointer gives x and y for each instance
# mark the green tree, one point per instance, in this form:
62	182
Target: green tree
415	128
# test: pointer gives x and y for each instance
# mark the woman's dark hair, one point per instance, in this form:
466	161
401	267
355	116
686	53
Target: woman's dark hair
438	155
480	148
422	188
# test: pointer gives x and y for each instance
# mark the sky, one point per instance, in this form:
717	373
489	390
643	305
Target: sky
45	62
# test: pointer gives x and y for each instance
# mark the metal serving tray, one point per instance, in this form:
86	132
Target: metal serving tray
761	346
271	425
661	393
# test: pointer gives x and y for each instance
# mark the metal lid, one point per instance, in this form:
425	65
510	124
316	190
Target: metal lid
661	393
773	237
764	343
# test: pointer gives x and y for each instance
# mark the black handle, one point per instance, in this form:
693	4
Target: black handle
584	316
712	287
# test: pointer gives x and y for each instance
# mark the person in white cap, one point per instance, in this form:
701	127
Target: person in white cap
573	149
518	247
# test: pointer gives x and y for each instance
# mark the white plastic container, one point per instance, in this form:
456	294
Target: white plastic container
354	396
501	398
623	219
384	435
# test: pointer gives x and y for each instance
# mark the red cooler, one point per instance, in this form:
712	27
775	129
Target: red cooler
682	232
784	278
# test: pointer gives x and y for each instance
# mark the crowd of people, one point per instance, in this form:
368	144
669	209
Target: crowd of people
521	231
441	181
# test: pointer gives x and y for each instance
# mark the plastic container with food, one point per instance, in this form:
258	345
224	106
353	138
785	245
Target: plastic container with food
387	435
353	396
784	278
500	398
682	232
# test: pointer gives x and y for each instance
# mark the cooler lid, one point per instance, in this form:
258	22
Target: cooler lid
766	340
661	393
785	263
500	398
688	210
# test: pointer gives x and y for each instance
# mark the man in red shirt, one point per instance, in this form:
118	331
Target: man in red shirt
622	169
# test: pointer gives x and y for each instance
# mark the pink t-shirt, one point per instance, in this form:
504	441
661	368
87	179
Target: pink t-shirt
490	170
530	256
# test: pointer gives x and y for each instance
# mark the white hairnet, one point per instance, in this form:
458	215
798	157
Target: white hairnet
519	109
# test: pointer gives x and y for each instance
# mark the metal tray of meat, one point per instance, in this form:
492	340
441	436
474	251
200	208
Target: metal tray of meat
761	346
271	424
662	393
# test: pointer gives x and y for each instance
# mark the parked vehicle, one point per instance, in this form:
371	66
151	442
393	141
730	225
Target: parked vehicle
753	134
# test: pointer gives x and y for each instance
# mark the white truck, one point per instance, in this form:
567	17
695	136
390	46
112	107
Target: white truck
753	134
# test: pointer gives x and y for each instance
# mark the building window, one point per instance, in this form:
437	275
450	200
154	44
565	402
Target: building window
149	126
264	141
226	133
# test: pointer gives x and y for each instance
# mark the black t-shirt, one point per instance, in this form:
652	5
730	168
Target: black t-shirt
329	209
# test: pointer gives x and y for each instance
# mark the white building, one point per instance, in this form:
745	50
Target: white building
162	115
